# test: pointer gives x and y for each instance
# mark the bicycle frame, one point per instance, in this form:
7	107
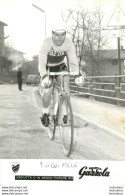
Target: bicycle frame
61	90
62	74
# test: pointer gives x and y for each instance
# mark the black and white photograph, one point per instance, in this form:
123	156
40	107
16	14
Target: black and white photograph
62	88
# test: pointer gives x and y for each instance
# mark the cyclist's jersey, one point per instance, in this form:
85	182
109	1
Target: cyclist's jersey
52	55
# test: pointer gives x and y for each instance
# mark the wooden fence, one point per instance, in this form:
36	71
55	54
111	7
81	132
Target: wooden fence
109	89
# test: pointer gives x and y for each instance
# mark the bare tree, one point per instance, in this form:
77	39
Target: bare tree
85	28
9	43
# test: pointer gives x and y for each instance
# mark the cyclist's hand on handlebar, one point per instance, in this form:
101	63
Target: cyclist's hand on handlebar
46	81
79	80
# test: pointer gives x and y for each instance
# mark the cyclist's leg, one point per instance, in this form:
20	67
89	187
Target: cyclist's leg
67	90
55	100
55	91
63	67
46	99
66	85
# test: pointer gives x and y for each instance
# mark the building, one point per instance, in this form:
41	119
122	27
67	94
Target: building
2	25
108	62
2	51
105	62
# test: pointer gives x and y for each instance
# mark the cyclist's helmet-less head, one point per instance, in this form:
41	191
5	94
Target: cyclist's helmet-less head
58	34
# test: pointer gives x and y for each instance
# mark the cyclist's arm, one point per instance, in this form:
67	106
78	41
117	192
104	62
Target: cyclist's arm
72	58
42	59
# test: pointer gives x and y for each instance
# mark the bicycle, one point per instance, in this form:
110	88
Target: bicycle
59	110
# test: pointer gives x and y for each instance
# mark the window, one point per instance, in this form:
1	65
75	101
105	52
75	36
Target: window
115	62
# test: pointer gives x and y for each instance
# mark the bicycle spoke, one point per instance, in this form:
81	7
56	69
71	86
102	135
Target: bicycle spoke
51	129
52	126
66	130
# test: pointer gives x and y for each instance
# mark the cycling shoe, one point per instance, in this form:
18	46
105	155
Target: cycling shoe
65	119
45	119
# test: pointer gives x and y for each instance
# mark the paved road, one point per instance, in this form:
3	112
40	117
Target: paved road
22	135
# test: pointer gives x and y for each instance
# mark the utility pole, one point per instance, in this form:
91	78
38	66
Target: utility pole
43	11
119	56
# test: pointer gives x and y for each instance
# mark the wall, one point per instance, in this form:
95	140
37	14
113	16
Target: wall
1	39
1	49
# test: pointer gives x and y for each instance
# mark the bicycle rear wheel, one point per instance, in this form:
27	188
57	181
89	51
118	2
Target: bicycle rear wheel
66	127
52	125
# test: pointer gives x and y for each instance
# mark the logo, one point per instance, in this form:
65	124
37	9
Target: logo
93	171
15	167
52	52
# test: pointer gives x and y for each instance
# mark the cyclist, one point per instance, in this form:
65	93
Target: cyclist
52	55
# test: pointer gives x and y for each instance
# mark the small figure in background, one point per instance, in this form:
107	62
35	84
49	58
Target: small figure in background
19	79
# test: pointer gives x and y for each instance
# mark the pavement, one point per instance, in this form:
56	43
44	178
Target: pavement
110	118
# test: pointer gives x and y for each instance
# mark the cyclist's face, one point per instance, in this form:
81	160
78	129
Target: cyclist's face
58	38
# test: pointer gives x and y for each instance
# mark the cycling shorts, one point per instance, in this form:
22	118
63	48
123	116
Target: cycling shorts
58	68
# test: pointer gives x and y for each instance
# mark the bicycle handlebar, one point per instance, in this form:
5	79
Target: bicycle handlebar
63	73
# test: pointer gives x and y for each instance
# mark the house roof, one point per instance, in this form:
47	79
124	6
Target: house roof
2	23
112	54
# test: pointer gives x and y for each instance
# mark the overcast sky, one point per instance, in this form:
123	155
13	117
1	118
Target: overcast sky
26	24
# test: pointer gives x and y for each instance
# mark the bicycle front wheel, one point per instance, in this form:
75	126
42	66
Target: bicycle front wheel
66	125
